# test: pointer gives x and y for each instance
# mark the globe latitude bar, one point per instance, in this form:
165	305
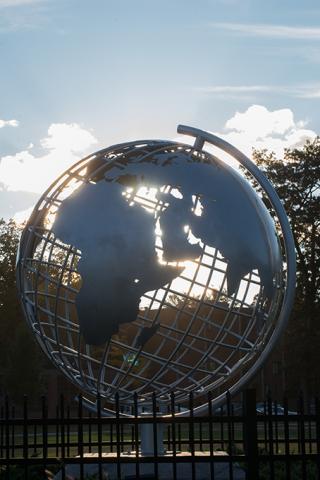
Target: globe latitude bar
48	282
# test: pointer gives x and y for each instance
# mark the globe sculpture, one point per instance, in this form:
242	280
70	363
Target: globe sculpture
155	266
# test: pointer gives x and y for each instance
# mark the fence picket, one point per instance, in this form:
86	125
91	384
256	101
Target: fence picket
287	438
250	435
53	438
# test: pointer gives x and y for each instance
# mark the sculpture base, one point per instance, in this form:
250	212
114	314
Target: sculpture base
147	470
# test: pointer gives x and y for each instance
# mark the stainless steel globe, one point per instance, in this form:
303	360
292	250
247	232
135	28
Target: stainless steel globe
155	266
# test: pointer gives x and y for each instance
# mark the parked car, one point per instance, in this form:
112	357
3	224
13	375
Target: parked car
236	409
276	409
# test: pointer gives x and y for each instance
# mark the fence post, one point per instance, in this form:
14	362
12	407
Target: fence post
25	436
250	434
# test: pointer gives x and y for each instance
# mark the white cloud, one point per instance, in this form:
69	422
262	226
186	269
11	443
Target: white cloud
260	122
19	15
270	30
18	3
8	123
64	145
311	93
307	91
228	92
22	216
63	137
235	89
229	2
260	128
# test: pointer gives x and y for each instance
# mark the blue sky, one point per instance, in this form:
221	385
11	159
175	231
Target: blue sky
78	75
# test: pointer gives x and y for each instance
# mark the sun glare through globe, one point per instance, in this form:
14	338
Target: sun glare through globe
153	266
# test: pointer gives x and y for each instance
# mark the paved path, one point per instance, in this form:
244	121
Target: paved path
165	470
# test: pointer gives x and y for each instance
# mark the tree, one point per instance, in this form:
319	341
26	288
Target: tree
296	178
20	357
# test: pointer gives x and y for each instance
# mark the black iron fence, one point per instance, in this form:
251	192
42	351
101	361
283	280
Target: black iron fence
238	441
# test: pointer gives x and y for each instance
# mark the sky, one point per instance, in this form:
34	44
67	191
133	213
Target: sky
78	75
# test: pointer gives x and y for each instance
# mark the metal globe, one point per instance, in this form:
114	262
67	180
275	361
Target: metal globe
155	266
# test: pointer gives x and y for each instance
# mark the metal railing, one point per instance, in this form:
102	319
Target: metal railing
238	441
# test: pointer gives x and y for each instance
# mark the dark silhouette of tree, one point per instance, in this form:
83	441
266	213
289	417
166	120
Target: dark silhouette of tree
20	358
296	178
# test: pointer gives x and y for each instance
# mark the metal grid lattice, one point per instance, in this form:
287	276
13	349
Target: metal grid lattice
203	340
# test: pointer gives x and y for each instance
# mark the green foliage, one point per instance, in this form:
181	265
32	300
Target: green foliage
280	471
9	307
34	472
296	178
20	357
